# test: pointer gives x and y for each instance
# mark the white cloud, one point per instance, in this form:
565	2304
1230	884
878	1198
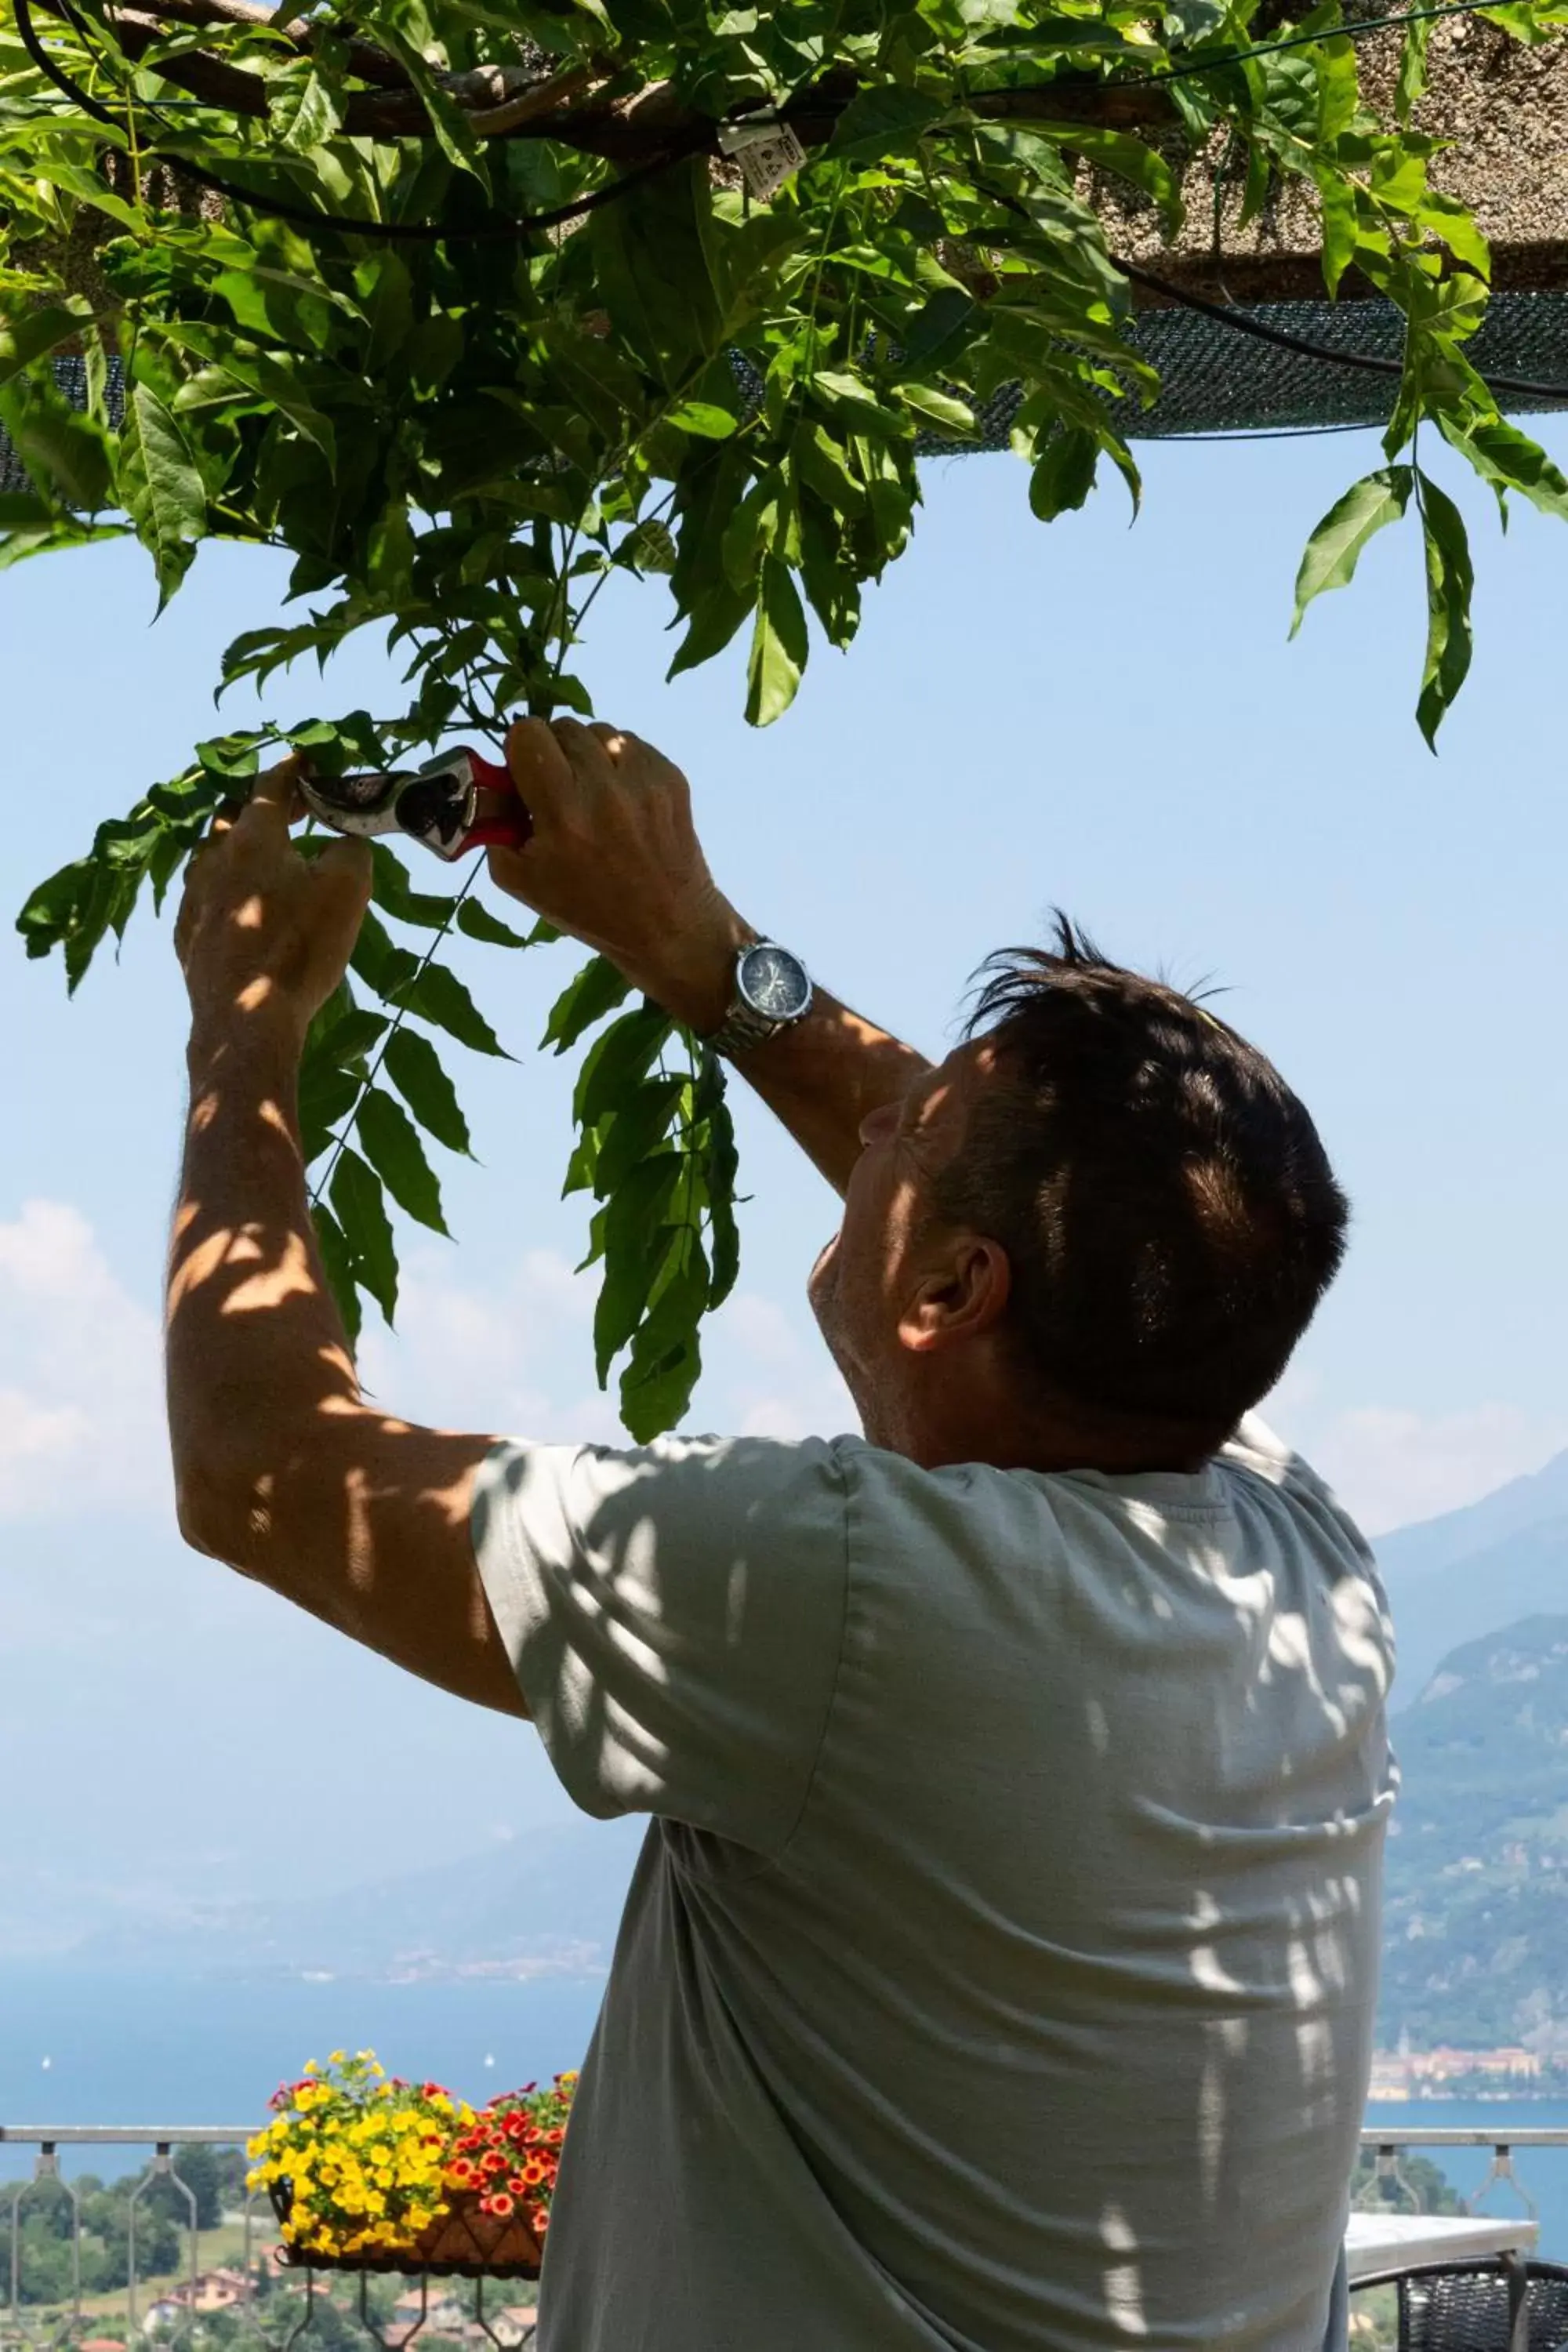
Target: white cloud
1392	1467
81	1386
516	1355
770	1375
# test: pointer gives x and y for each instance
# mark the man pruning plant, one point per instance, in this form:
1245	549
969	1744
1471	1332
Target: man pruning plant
998	1972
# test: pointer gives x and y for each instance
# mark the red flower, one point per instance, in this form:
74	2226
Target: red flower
499	2204
492	2163
432	2091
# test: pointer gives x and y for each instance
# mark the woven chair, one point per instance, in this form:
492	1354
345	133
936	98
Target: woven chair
1501	2306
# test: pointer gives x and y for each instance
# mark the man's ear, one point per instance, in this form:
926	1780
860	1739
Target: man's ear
961	1299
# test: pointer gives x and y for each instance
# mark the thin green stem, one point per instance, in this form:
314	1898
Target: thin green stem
340	1141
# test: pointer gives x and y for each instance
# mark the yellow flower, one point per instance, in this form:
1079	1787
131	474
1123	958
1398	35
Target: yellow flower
338	2058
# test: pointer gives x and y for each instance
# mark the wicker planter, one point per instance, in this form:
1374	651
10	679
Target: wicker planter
461	2242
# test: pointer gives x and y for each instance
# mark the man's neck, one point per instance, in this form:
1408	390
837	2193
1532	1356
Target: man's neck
1051	1434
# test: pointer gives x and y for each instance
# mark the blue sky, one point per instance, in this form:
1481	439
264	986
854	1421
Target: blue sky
1108	719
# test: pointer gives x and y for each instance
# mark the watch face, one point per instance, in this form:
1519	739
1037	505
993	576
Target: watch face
773	982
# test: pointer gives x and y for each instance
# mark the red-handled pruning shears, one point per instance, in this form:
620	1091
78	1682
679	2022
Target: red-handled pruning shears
454	804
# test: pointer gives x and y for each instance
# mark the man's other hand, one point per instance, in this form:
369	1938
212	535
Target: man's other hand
614	860
265	935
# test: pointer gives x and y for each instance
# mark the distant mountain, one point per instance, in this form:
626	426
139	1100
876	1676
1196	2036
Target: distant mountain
1476	1942
545	1902
1452	1579
1523	1574
1430	1545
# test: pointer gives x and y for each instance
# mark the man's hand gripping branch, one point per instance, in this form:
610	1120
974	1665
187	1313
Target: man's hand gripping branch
615	861
282	1466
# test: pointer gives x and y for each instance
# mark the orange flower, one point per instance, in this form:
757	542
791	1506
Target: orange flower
501	2204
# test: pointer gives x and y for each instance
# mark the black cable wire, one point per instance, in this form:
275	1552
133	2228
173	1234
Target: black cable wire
310	216
1358	30
1244	322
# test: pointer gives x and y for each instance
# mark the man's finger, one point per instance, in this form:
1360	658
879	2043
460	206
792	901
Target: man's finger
540	768
584	748
347	865
275	800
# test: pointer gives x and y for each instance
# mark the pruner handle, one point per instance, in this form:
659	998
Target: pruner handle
503	820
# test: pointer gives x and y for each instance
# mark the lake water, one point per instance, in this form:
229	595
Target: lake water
79	2048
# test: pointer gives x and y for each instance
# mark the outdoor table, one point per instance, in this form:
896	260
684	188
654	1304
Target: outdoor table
1376	2243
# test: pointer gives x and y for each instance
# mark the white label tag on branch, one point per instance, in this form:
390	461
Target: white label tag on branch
768	156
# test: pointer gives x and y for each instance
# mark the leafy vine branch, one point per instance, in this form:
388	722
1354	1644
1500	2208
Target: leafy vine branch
470	306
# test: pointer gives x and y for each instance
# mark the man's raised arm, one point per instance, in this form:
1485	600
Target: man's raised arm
617	862
280	1467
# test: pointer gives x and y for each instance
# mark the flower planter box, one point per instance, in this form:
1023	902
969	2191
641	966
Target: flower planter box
461	2243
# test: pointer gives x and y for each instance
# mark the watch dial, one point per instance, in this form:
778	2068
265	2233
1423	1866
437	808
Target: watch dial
775	981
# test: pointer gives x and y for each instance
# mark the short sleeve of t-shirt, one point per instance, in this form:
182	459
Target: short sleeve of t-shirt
675	1617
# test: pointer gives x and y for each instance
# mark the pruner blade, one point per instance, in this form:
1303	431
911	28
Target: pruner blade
454	804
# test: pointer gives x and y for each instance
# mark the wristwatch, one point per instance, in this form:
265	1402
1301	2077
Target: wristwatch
771	992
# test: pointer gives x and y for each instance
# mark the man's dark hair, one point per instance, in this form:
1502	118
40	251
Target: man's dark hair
1168	1211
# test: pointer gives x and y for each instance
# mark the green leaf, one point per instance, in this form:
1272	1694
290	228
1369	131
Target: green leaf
647	547
666	1358
954	415
631	1228
1509	460
326	1095
592	992
1454	223
883	121
1335	547
439	996
1342	223
361	1206
251	373
701	418
1064	473
414	1067
380	964
617	1061
1339	91
1410	87
392	891
63	452
654	272
459	142
641	1124
159	487
337	1262
478	922
35	333
779	645
1450	582
1127	159
391	1143
302	113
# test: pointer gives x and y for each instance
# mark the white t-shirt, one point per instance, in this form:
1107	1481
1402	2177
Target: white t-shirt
999	1970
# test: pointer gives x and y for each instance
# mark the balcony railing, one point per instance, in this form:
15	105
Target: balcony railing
249	2300
1388	2149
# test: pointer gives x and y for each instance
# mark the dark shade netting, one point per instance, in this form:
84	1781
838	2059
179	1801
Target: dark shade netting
1215	379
